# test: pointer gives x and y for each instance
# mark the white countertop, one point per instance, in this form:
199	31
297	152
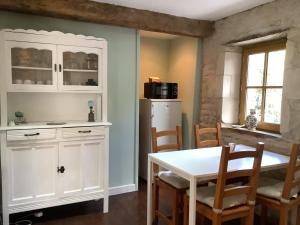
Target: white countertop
43	125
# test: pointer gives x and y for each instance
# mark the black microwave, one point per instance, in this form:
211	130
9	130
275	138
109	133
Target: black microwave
158	90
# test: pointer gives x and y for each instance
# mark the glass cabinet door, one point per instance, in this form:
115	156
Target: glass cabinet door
31	66
80	68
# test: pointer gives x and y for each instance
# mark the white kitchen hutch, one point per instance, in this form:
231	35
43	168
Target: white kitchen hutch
56	157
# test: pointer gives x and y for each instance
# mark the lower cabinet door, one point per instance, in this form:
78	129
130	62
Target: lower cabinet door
83	166
69	168
45	170
32	173
93	166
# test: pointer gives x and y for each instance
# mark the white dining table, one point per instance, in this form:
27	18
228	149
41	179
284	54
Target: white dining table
203	165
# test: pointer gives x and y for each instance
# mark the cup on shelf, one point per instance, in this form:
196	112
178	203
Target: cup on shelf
11	123
28	82
49	82
40	82
18	81
66	82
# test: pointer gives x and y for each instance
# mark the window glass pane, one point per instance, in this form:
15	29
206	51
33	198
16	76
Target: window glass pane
273	105
255	69
275	68
253	101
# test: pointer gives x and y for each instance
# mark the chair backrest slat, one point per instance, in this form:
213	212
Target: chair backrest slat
155	135
207	143
291	180
207	130
239	173
167	147
200	142
249	189
242	154
238	190
166	133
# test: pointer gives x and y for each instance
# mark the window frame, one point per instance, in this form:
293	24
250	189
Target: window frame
264	47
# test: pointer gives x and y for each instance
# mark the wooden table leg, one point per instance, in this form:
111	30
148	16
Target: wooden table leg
149	193
192	204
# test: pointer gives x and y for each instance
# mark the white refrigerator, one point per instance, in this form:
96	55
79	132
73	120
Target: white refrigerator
164	114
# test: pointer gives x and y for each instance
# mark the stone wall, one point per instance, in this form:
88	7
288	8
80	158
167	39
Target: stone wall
243	136
290	119
275	17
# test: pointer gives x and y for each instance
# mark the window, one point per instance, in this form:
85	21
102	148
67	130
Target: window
262	80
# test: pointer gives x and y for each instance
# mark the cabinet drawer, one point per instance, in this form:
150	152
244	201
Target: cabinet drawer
82	132
34	134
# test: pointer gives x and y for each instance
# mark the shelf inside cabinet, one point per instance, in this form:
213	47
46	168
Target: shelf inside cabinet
31	68
81	71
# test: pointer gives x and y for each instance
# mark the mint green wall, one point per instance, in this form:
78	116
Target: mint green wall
122	77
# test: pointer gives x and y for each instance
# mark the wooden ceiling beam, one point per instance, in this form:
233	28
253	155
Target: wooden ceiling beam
102	13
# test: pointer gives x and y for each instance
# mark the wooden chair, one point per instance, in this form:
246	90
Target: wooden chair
223	202
173	185
199	132
282	195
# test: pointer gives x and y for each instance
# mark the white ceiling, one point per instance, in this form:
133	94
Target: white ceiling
195	9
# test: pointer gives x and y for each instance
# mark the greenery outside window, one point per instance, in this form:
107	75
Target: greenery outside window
261	83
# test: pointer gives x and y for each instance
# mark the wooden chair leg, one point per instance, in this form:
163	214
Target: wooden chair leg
201	219
180	195
283	216
216	220
185	210
175	211
263	215
155	202
243	221
298	216
250	218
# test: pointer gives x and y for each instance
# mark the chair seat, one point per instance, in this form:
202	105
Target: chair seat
173	179
206	195
273	188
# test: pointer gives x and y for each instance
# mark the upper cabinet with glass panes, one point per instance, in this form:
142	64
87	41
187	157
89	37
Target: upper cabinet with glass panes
80	68
48	63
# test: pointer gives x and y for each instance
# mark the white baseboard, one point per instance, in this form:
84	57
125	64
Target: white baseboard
122	189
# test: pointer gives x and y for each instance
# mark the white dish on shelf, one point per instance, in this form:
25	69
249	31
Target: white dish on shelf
18	81
28	82
40	82
49	82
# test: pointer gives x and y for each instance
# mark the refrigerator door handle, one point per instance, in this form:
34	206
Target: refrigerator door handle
152	111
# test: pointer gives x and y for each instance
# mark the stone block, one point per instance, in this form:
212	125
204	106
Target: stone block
291	83
212	86
292	129
292	54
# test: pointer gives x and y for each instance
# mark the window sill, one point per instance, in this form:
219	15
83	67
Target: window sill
256	133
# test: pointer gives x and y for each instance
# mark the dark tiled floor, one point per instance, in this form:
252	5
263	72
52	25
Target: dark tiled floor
125	209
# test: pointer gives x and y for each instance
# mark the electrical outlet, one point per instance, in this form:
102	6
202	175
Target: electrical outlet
38	214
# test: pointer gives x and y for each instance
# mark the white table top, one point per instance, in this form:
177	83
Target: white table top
204	163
